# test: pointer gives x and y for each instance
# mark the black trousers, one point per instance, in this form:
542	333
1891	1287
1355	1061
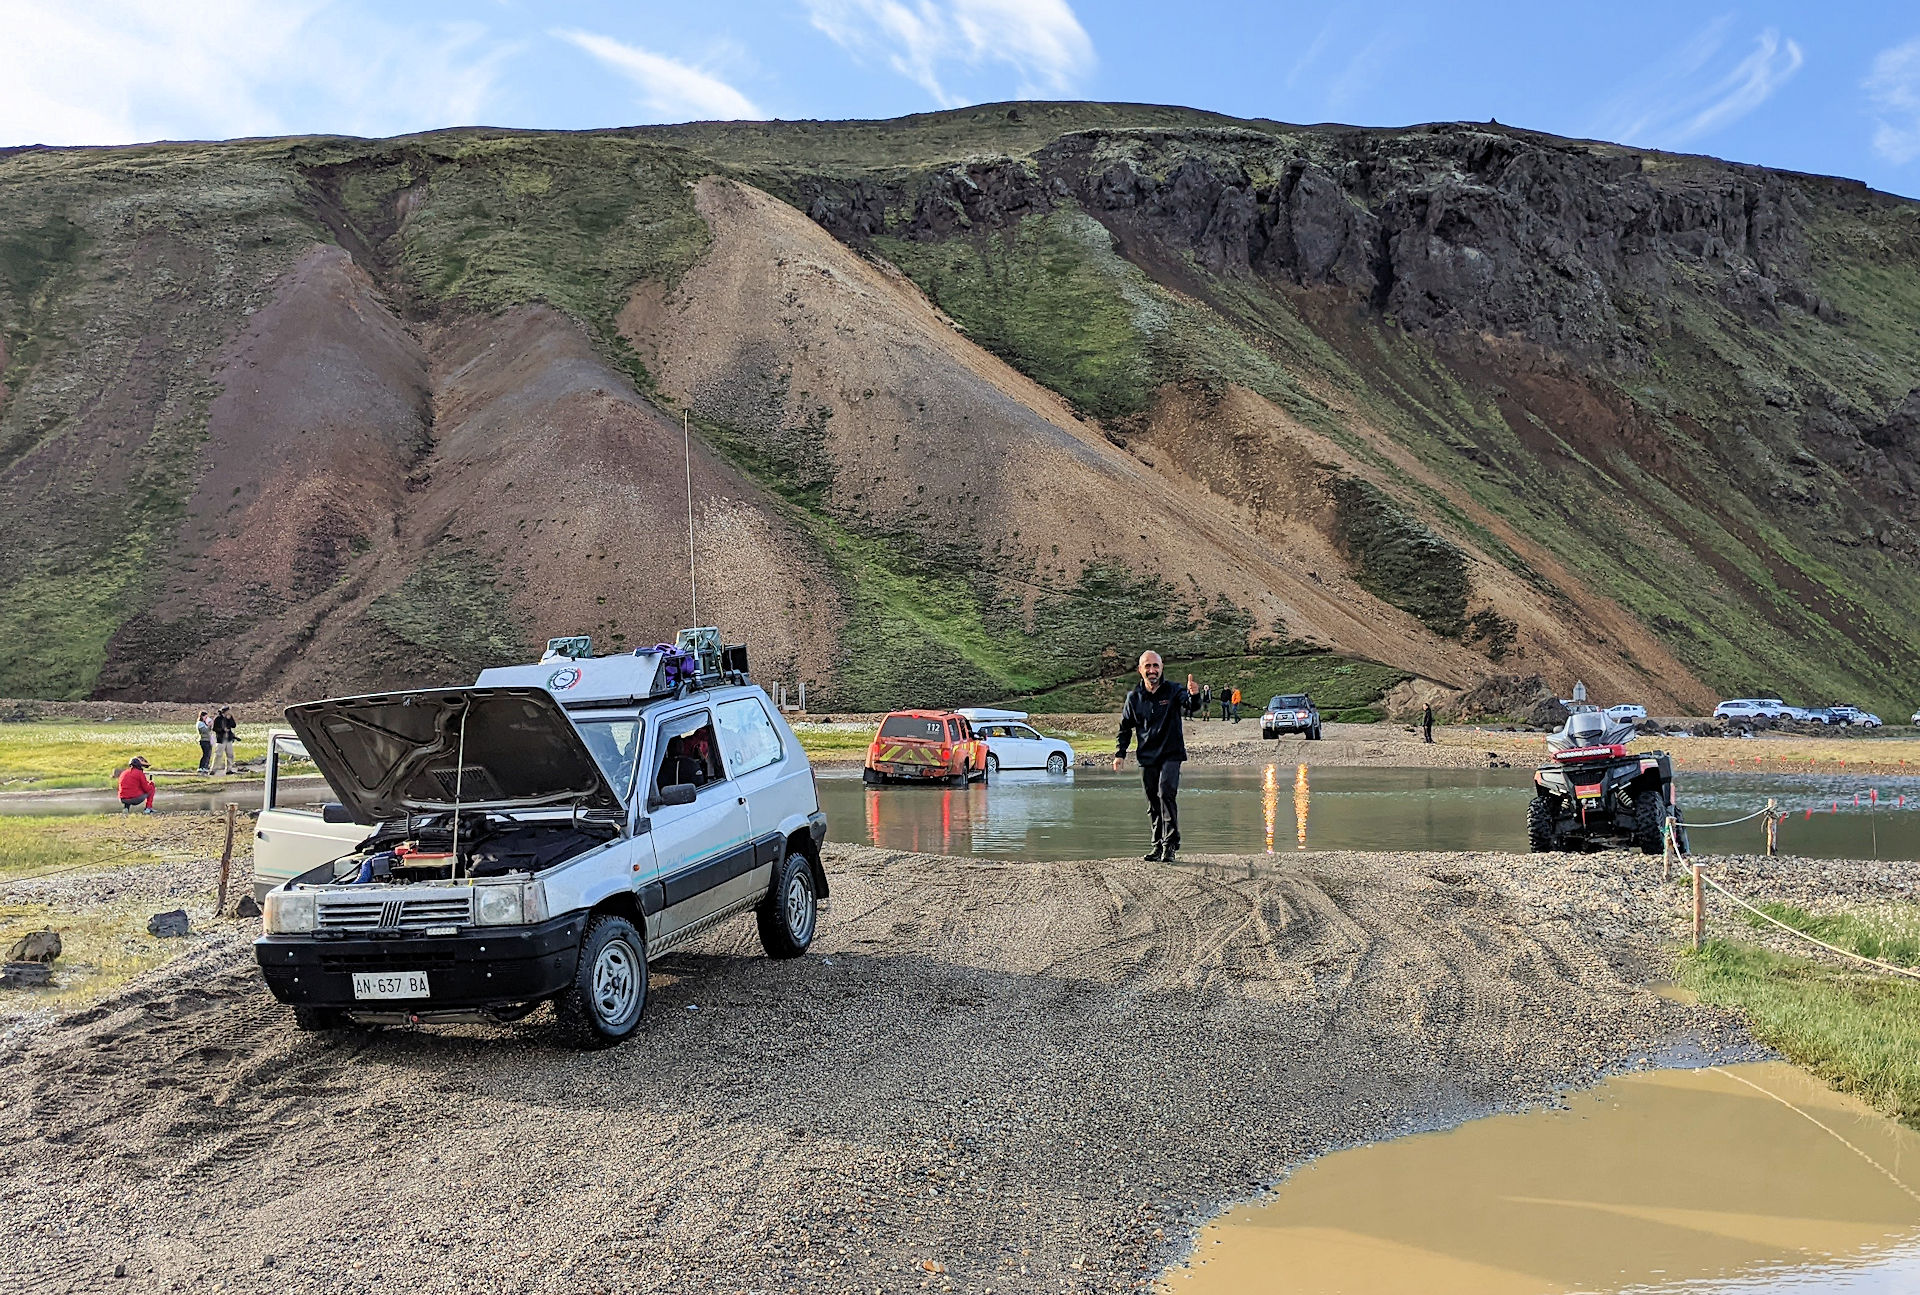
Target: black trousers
206	756
1162	784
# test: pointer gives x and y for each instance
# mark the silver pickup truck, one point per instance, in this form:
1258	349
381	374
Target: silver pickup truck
538	837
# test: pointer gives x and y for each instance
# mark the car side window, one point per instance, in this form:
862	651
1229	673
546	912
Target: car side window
1023	732
747	737
953	730
689	752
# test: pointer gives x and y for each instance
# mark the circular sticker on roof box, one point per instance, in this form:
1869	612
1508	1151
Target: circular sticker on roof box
564	678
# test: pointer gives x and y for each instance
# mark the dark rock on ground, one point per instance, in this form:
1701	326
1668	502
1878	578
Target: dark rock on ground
169	925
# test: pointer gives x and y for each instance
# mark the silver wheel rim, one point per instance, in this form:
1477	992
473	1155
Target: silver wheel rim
993	764
1057	763
800	906
616	982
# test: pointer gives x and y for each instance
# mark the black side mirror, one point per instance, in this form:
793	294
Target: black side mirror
678	793
335	812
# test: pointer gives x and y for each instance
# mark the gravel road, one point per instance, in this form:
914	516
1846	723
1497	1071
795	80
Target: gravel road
987	1076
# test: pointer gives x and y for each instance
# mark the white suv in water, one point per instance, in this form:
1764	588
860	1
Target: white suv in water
541	836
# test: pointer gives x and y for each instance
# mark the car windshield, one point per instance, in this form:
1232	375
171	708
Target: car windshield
1291	699
913	726
615	744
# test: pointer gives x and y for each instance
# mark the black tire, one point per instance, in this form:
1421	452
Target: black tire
1056	763
993	764
1540	834
1270	735
1680	832
317	1020
1313	734
609	991
790	914
870	777
960	779
1649	812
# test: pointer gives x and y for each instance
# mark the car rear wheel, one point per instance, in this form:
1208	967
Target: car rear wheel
609	991
1056	763
789	914
993	764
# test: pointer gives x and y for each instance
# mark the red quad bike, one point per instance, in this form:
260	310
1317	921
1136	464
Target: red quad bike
1595	795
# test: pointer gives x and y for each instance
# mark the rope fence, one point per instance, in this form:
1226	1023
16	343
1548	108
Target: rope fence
1700	877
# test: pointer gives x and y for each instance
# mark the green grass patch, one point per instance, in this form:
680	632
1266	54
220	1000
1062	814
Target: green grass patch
53	754
1344	688
1858	1031
453	610
1049	297
1890	933
34	843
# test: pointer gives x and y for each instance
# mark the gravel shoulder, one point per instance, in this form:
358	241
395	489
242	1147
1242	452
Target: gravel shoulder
1007	1076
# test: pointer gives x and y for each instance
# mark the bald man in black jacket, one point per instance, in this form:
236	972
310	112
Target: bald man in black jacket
1151	717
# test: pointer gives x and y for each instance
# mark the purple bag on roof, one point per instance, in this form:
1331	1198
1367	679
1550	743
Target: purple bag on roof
676	667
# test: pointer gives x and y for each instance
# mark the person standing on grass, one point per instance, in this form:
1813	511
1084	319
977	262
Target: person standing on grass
1426	724
204	730
135	786
1151	718
223	730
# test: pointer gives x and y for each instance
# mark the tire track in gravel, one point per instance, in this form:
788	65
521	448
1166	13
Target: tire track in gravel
1034	1075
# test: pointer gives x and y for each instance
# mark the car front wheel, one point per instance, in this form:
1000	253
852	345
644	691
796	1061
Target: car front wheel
790	912
993	765
1056	763
609	991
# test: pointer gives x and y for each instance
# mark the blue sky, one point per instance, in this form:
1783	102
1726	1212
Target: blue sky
1832	88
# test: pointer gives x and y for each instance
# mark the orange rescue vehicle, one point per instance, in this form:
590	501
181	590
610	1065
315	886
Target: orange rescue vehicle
927	746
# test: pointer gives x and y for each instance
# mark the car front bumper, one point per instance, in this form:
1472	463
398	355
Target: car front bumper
479	967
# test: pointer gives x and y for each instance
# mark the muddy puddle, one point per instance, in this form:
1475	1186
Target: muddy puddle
1744	1178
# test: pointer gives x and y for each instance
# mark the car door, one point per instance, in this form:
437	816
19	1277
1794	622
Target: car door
1030	750
289	841
700	846
775	788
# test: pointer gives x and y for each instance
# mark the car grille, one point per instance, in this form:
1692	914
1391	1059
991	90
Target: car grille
416	957
393	912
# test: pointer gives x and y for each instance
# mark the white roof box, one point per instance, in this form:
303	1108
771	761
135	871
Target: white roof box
987	714
606	680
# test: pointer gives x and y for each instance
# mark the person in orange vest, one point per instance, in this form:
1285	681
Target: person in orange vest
1236	705
135	786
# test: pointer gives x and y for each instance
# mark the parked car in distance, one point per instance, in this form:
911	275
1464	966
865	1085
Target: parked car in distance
1818	715
1750	708
1292	712
925	746
538	837
1915	720
1626	713
1013	743
1854	715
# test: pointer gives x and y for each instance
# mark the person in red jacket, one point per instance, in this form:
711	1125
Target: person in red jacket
135	786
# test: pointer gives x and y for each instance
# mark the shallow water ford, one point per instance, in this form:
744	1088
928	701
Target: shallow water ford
1096	813
1743	1178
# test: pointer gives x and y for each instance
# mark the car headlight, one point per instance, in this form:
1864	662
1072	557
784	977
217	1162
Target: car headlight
497	905
510	904
289	912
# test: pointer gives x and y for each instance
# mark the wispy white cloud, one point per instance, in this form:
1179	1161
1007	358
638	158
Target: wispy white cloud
932	41
1694	93
669	89
121	71
1893	87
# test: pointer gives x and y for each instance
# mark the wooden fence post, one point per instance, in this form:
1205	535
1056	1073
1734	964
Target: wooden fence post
226	861
1699	911
1773	830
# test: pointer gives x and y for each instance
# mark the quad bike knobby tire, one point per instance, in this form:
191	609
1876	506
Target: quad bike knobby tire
1649	812
1540	835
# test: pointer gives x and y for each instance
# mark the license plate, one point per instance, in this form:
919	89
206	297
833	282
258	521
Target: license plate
390	984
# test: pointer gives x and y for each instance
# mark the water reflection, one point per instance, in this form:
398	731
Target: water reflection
1269	803
1300	807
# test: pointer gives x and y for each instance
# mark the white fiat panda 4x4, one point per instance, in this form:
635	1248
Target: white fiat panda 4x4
539	837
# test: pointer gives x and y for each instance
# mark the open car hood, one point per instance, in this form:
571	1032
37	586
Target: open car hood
393	754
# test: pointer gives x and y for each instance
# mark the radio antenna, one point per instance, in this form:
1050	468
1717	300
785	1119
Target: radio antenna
686	447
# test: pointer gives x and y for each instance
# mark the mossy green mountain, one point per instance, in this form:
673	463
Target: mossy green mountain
1521	383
